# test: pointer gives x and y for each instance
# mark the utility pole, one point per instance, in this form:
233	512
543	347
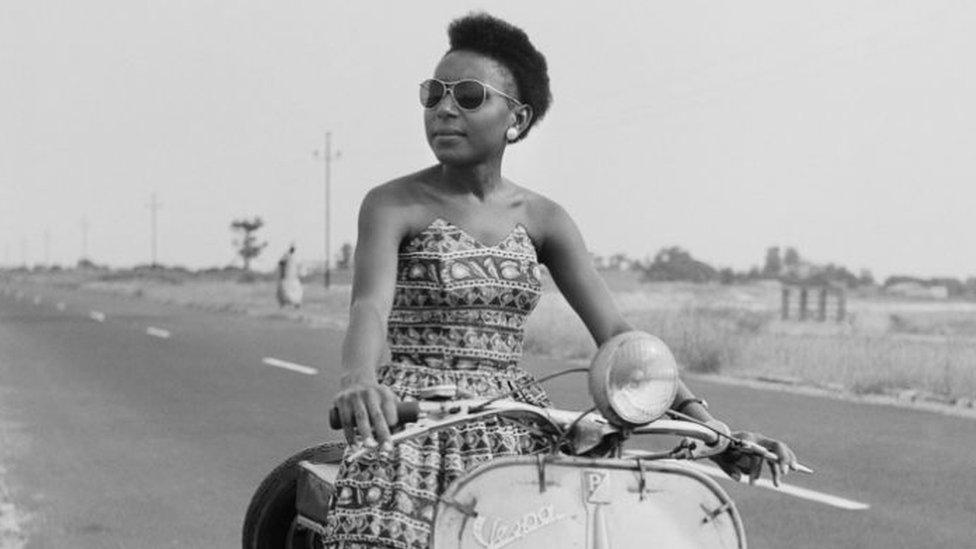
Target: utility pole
47	248
154	207
84	237
328	156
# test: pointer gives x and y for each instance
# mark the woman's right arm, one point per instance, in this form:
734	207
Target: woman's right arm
365	406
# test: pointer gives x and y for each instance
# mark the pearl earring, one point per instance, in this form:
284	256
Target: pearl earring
511	134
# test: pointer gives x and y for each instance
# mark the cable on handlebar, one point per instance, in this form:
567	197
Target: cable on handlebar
678	415
525	385
525	425
565	434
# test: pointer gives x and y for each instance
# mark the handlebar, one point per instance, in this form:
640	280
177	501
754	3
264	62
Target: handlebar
407	412
425	416
431	416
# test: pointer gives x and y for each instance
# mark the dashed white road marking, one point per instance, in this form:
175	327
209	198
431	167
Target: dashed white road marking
158	332
789	489
97	315
60	306
277	362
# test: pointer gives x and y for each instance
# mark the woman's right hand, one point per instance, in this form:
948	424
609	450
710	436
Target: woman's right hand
367	409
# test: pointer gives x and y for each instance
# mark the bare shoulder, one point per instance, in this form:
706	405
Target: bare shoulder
399	192
397	202
546	219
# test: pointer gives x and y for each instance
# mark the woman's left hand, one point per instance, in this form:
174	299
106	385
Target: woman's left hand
736	462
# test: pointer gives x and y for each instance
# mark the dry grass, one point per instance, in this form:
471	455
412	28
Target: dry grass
885	346
703	340
867	364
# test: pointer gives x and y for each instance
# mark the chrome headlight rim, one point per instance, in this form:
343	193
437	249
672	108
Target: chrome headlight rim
659	366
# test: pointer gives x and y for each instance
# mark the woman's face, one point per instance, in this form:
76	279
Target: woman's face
463	138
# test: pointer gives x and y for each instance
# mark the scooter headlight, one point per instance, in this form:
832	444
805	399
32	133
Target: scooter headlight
633	378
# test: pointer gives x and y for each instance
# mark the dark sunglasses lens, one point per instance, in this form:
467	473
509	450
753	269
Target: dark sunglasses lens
469	94
431	93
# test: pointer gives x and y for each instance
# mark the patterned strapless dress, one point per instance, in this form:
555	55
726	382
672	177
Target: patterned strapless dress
457	318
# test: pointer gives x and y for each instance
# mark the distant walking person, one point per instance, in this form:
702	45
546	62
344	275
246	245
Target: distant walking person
289	283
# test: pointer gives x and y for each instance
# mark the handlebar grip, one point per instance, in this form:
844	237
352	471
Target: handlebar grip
407	412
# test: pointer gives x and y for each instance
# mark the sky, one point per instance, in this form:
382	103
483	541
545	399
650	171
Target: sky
843	128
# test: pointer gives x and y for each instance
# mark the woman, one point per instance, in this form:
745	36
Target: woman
447	270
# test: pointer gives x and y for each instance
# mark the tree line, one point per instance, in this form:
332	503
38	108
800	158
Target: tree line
674	263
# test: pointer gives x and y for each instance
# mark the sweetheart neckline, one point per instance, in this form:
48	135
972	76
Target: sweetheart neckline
469	236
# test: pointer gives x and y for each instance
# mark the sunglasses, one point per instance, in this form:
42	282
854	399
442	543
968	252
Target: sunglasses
469	94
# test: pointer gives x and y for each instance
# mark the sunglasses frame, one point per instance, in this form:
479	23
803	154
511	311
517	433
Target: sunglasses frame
449	90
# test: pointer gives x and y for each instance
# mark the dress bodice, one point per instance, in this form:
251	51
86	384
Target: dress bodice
457	319
461	306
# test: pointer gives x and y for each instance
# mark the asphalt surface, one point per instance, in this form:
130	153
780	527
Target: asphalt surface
115	437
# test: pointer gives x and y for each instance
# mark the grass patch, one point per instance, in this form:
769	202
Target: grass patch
703	340
870	364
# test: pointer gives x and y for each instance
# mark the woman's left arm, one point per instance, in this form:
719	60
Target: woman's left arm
571	266
564	253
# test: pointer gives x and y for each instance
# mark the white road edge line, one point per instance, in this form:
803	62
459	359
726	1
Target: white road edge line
795	491
277	362
97	315
158	332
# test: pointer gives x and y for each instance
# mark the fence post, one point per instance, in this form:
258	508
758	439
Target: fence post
841	305
822	305
786	303
803	303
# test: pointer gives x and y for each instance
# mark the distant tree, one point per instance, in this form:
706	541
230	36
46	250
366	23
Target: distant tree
834	274
726	276
970	287
774	265
865	278
247	246
954	286
753	273
675	263
639	266
791	258
345	256
85	263
599	261
618	262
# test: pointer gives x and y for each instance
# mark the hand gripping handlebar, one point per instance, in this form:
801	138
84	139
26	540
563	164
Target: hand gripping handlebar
407	412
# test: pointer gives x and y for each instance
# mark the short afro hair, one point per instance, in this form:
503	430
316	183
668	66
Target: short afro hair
508	45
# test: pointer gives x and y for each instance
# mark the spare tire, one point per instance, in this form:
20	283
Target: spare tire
270	521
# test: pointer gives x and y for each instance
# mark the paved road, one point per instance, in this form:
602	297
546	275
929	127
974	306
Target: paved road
121	438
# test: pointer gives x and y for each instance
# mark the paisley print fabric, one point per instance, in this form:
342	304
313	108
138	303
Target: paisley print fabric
458	318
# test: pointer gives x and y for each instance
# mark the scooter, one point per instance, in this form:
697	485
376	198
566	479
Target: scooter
587	492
